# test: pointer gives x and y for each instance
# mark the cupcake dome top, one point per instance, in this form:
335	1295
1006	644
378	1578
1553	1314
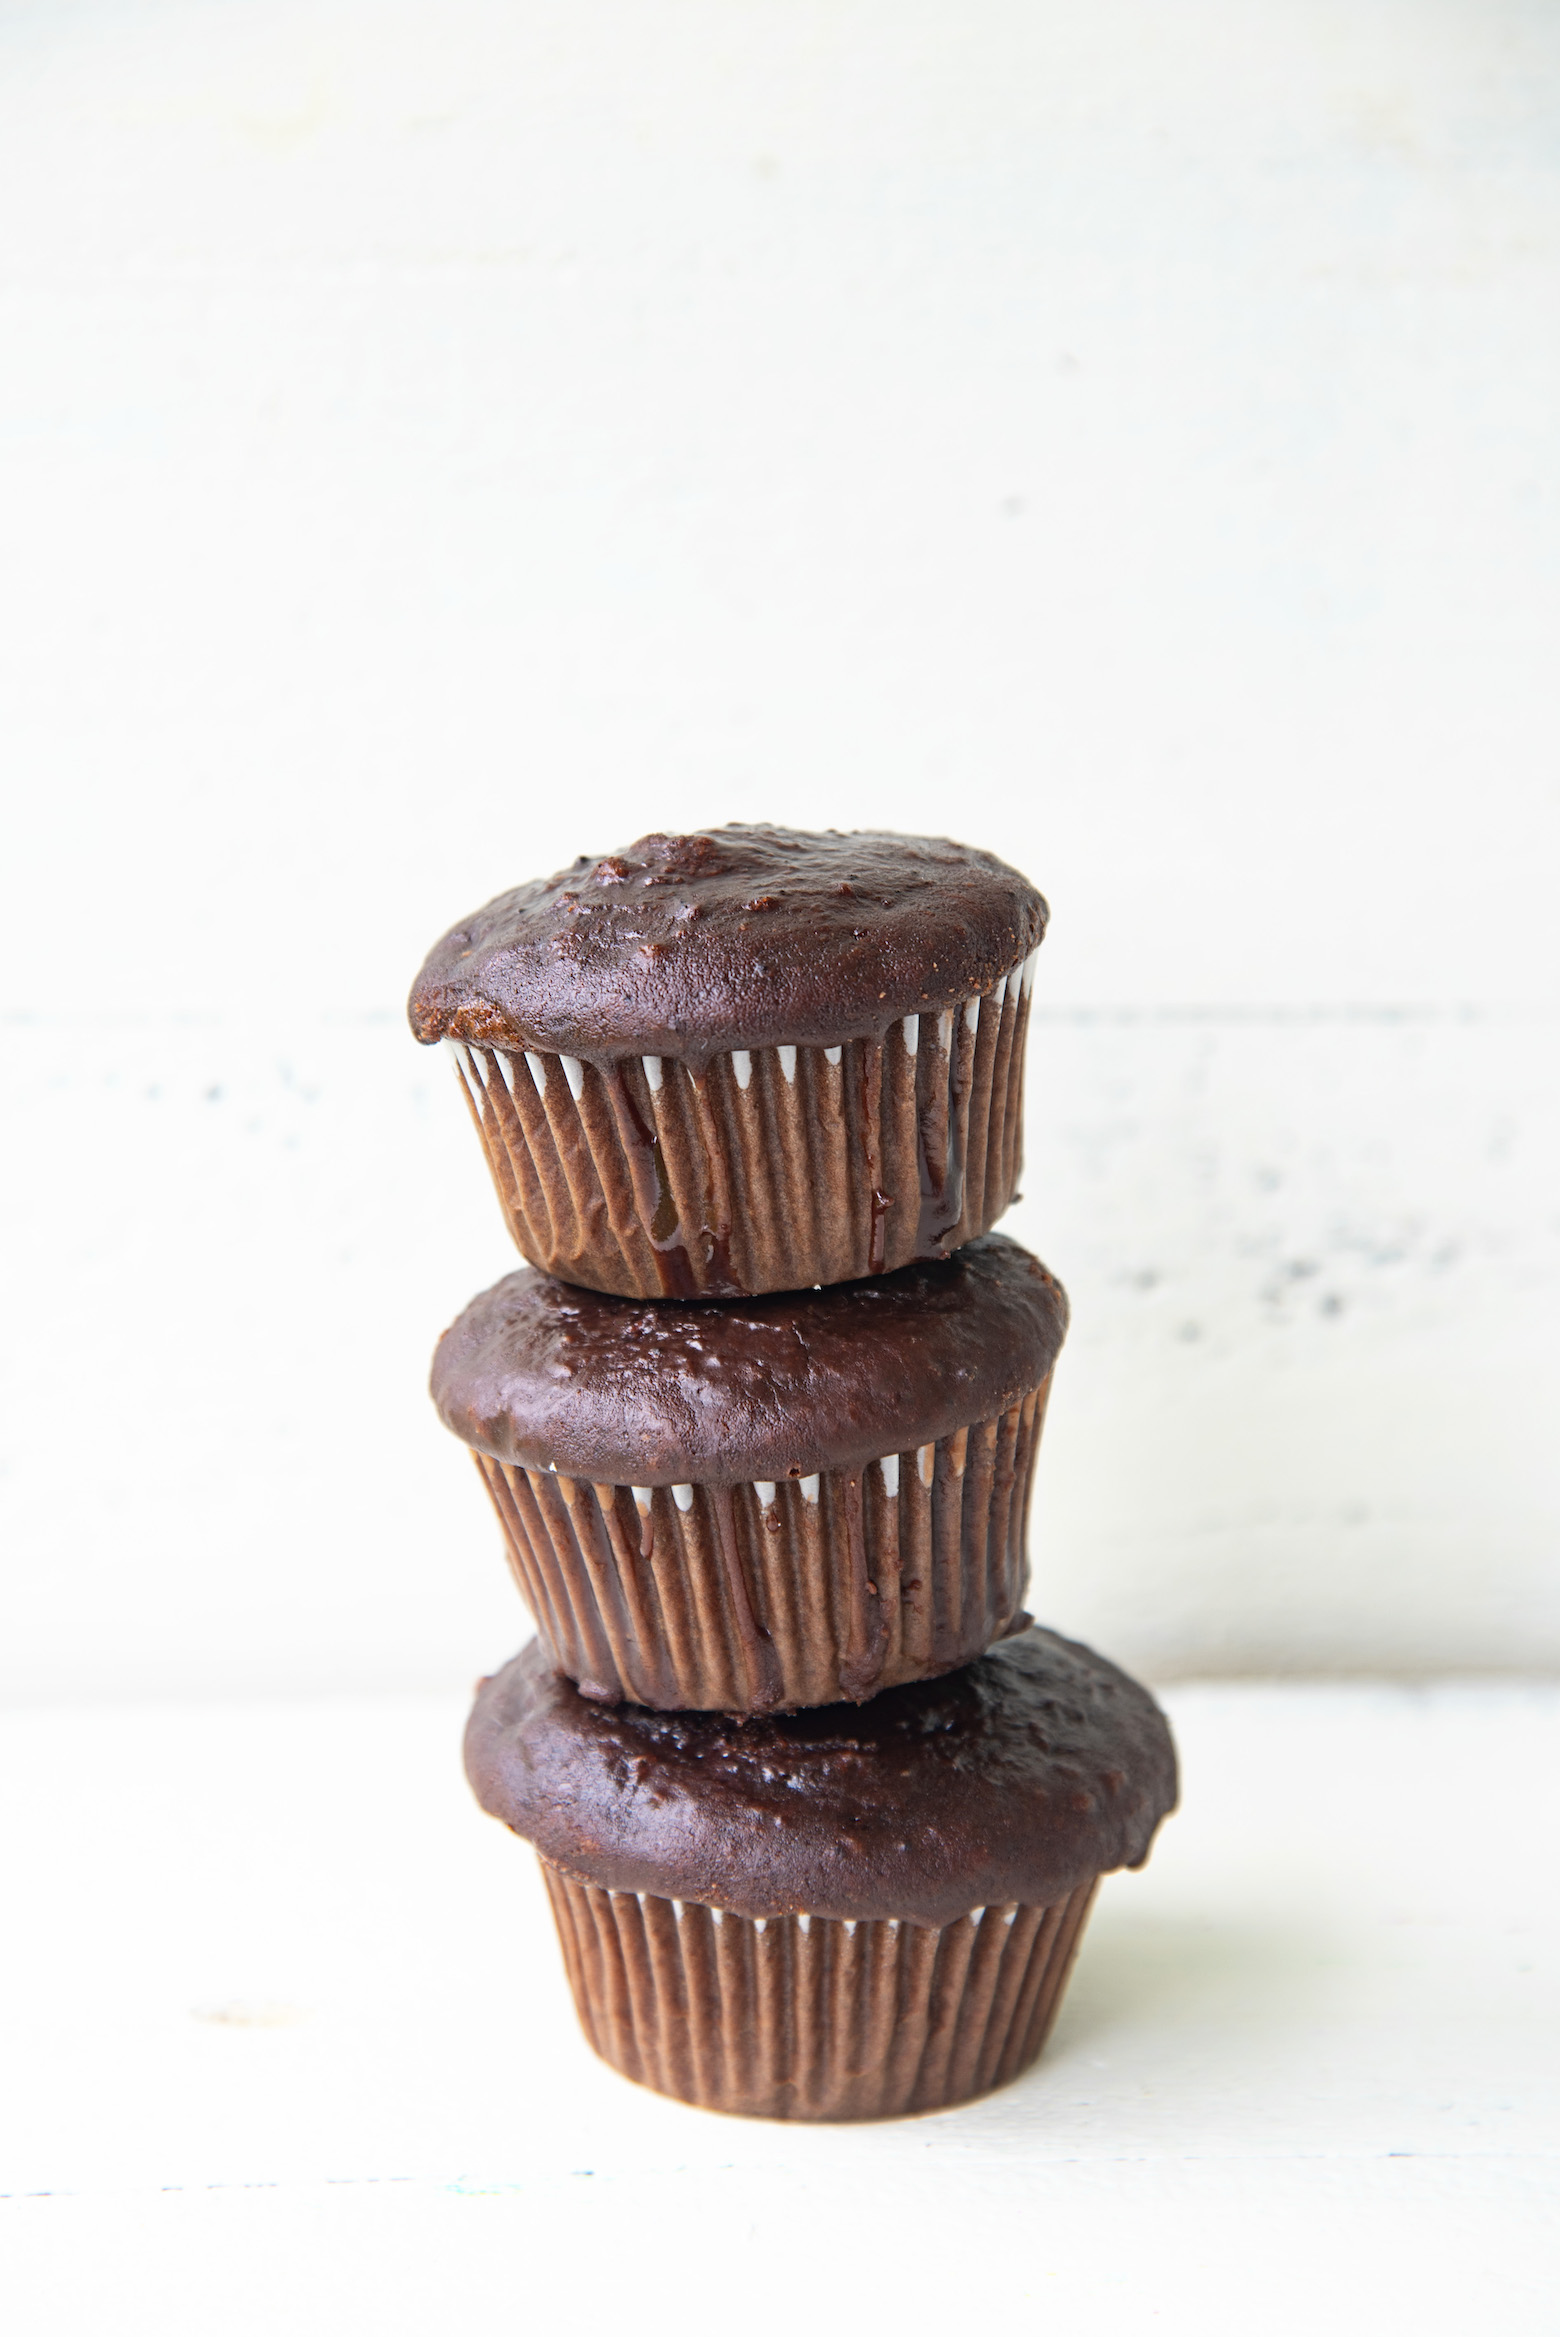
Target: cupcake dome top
1017	1779
543	1375
739	937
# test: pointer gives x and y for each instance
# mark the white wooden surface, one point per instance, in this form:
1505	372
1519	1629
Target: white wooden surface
287	2045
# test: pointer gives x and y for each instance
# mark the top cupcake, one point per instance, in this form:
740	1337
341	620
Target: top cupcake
744	1060
739	938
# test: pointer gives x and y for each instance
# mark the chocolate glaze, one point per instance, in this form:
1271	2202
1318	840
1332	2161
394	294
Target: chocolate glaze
741	937
543	1375
1016	1779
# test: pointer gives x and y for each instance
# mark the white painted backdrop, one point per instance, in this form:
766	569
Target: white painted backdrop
438	439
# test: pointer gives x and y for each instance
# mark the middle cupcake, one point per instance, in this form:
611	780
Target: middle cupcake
765	1503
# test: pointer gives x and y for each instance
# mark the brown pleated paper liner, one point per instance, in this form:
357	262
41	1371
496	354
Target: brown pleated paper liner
761	1598
770	1170
806	2017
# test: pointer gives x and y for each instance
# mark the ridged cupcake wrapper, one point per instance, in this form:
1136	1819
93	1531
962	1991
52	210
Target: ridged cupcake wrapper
807	2017
770	1170
757	1598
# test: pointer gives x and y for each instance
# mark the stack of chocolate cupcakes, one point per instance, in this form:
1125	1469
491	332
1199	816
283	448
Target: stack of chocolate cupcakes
820	1811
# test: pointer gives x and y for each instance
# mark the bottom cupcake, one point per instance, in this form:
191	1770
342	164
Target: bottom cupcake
849	1912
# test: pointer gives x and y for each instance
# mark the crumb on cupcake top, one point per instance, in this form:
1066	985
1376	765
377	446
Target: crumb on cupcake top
735	937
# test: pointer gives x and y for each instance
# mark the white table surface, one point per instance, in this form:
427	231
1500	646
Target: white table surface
288	2048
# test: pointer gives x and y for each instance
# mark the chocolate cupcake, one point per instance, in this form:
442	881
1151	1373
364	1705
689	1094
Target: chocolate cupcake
746	1507
846	1913
750	1060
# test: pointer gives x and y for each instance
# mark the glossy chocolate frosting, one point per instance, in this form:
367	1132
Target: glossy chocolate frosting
1015	1779
629	1391
739	937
